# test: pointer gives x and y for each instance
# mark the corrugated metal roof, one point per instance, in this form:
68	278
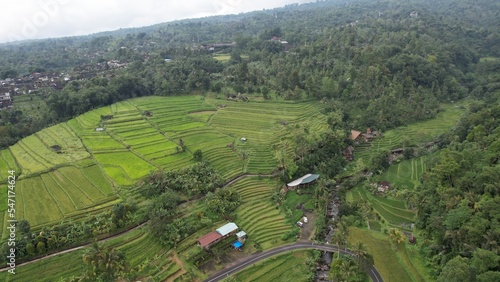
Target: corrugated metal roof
241	234
310	178
228	228
303	180
209	238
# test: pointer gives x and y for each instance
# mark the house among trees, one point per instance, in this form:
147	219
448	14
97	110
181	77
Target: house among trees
304	181
216	236
357	136
383	186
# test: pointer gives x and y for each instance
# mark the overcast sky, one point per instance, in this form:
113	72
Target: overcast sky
35	19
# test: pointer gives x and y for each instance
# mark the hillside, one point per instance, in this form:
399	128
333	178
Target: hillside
140	136
182	127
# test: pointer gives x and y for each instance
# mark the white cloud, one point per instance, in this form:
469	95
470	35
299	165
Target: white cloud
30	19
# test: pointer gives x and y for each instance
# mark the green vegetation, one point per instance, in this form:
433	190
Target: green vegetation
461	190
393	211
66	192
293	201
263	221
263	106
414	133
378	247
287	267
222	57
144	255
406	174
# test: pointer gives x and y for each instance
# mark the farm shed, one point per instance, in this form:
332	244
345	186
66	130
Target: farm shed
241	234
227	229
209	239
303	181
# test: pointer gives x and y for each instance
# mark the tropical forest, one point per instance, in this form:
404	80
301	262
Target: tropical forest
328	141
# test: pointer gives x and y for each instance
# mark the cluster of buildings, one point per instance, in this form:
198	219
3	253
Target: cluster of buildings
218	46
31	83
222	233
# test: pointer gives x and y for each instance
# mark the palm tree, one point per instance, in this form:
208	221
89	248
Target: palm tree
396	236
340	236
359	250
103	264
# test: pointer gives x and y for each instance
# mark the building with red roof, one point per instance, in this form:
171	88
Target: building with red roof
207	240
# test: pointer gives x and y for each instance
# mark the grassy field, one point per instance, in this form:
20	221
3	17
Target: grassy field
286	267
406	174
146	257
488	59
386	261
257	215
62	193
393	211
7	163
419	132
222	57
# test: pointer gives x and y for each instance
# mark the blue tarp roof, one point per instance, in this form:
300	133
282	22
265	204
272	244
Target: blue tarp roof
237	244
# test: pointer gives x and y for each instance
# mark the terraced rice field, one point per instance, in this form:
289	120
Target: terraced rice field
419	132
257	215
63	193
406	174
287	267
393	211
142	252
7	163
142	135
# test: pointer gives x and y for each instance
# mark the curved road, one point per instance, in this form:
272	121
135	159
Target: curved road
221	274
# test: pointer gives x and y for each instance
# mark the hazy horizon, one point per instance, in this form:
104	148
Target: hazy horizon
41	19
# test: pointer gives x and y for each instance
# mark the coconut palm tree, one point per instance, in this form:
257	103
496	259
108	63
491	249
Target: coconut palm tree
361	253
103	264
396	236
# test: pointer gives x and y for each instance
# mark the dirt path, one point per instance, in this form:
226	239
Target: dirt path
176	259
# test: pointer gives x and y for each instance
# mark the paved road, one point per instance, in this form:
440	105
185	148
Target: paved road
231	269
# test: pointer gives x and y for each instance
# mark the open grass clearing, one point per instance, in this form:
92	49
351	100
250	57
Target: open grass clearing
133	166
285	267
7	163
385	259
40	207
407	173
